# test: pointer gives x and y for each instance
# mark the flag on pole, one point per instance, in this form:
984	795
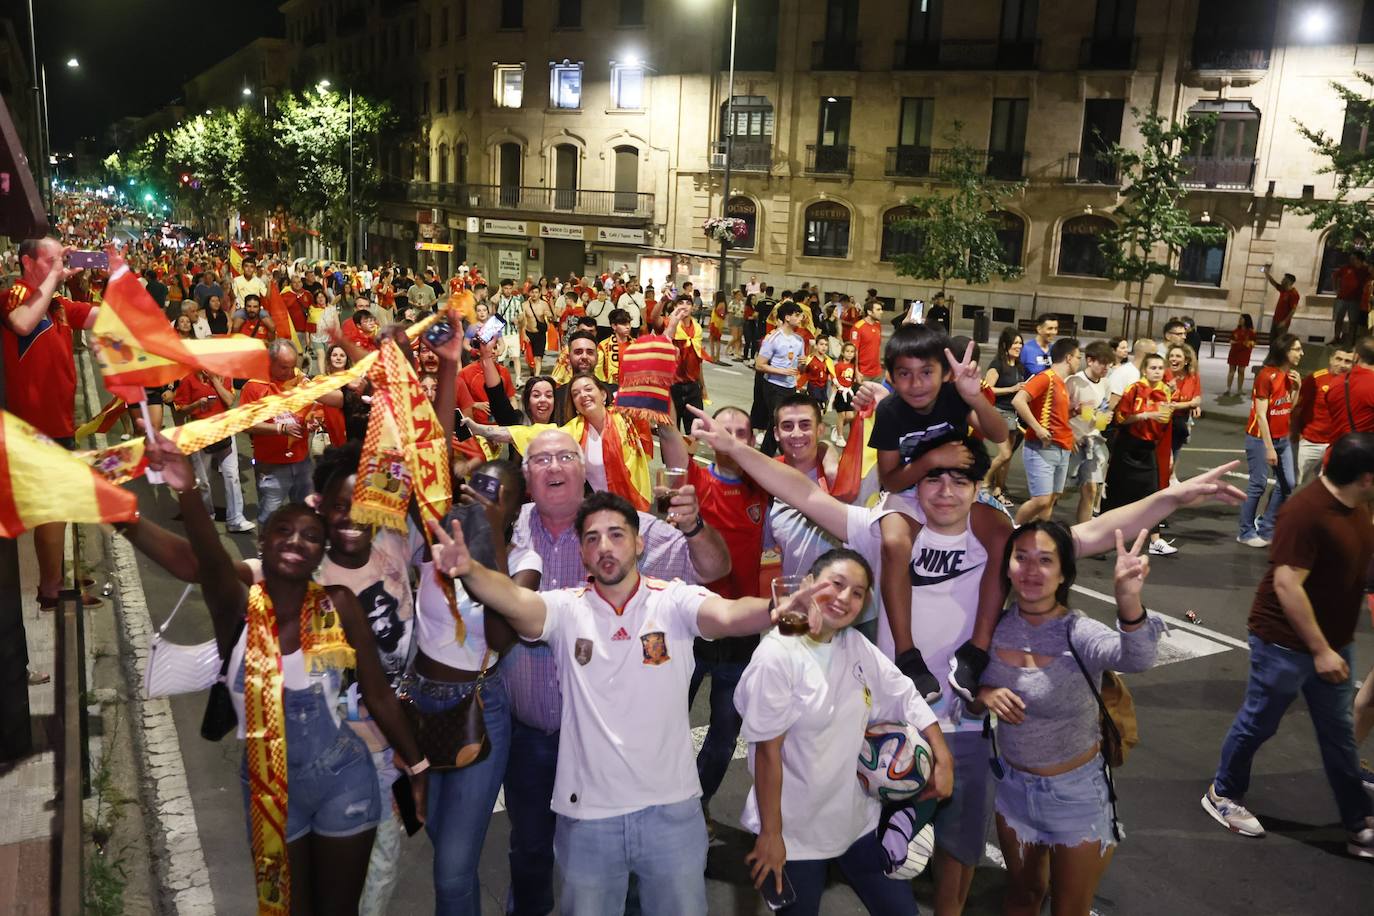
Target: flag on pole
42	482
104	421
235	261
138	349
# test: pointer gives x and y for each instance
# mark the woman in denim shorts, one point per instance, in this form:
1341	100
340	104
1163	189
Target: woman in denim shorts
1054	807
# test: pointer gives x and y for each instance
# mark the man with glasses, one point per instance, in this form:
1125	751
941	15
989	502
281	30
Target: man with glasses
683	547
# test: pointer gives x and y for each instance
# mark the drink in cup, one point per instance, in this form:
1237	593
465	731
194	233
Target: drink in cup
791	622
667	481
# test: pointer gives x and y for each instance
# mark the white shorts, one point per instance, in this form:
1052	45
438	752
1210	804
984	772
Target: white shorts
1088	464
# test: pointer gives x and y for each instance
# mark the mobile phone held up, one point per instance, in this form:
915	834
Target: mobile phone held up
491	329
438	334
88	260
775	900
489	487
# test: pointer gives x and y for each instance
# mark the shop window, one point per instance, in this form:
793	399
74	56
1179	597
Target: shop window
826	230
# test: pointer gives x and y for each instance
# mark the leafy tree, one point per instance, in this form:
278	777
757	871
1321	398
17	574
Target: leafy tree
956	228
1150	218
1351	221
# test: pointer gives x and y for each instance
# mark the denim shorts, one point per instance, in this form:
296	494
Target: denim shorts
1047	468
1088	464
962	820
1065	810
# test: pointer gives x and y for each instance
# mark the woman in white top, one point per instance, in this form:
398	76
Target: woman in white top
806	703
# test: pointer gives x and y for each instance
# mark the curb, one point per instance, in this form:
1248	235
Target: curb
182	878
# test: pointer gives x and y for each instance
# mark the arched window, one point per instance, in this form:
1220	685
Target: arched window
826	230
510	164
1201	262
443	162
897	241
1079	251
1011	232
565	160
626	178
744	208
460	163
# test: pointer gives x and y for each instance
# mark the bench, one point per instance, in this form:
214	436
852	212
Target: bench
1224	337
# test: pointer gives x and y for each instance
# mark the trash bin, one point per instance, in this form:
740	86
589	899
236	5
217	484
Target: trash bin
982	325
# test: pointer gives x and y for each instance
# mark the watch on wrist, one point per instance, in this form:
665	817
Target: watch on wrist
695	529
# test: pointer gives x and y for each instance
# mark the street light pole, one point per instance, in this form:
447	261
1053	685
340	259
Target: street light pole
40	163
355	235
729	141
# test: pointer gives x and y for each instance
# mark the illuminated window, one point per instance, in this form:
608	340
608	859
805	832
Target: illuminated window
627	86
508	85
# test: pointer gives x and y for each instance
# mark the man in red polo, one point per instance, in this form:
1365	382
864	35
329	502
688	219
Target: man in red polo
867	337
1359	383
281	449
40	371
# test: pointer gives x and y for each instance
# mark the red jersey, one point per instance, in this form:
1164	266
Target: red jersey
815	373
191	389
40	371
1049	404
1359	382
255	327
273	448
867	337
296	304
1287	305
849	316
844	376
1140	397
1314	416
688	360
355	334
1272	384
737	509
470	378
1350	282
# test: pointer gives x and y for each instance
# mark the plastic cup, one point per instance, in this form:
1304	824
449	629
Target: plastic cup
790	622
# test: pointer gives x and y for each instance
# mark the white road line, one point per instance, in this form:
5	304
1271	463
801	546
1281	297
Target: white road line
1173	621
716	368
1219	451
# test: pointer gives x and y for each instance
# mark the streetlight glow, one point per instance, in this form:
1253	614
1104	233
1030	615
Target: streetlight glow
1315	23
73	62
247	91
323	85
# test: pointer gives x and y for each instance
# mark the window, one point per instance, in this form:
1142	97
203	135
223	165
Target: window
826	230
1080	252
510	165
569	14
508	85
443	94
914	127
833	126
1333	258
1234	34
443	162
460	92
756	35
460	163
512	14
744	208
461	26
631	12
1201	262
1007	139
1101	130
424	97
896	241
565	162
1018	20
425	29
923	21
443	25
565	85
753	116
1011	232
1355	133
626	179
1225	156
627	86
1366	34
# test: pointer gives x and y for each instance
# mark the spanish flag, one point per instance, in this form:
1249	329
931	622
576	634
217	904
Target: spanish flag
235	261
138	349
276	307
104	421
42	482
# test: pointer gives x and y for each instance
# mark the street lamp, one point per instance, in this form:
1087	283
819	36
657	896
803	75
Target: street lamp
354	230
729	138
73	63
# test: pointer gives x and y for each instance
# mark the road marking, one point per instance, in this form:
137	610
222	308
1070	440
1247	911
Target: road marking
1219	451
1174	622
726	371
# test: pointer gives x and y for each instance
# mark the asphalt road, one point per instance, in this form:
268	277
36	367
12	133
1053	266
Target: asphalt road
1175	859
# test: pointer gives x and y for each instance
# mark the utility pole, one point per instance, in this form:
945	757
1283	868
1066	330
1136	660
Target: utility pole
729	146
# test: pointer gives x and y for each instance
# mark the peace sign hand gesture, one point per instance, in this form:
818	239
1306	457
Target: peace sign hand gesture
450	552
964	374
1131	569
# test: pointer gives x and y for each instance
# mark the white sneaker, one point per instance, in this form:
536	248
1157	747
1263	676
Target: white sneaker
1360	843
1162	548
1253	540
1232	814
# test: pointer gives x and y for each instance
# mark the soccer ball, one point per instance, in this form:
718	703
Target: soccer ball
894	761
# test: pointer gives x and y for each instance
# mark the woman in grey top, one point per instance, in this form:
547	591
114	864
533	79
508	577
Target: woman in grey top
1054	809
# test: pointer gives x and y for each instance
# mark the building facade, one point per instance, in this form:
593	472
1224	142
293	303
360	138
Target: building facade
563	135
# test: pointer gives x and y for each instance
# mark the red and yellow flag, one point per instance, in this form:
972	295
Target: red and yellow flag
235	261
42	482
104	421
138	349
281	317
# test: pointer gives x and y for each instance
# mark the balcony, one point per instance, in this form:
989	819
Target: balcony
932	163
1214	57
834	55
966	54
579	201
909	161
744	157
1108	53
1007	165
829	160
1220	174
1086	168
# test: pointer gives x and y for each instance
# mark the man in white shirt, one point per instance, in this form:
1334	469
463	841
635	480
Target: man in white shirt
632	301
510	308
247	283
1089	411
626	789
1124	375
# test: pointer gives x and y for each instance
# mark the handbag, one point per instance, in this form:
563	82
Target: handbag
174	669
456	737
1116	711
220	718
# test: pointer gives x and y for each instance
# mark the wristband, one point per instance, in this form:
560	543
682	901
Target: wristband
1131	623
416	769
696	529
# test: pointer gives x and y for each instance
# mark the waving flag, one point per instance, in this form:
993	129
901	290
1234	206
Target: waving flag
42	482
104	421
276	307
235	261
138	349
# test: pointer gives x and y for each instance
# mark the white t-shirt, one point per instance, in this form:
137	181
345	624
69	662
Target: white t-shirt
823	704
946	572
596	459
1123	376
1084	392
243	286
434	624
626	738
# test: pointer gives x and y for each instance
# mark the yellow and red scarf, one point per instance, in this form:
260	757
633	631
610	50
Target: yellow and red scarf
325	648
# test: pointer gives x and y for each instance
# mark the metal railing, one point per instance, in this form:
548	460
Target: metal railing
1088	169
1220	174
829	160
744	157
931	162
834	55
965	54
1206	57
909	161
1108	53
634	204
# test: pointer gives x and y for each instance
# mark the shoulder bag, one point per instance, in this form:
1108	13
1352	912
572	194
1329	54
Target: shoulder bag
220	718
1116	710
456	737
174	669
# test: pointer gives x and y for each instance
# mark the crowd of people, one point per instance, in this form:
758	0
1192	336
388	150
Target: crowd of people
571	604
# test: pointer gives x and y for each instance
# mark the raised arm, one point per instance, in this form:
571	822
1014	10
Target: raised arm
27	316
718	617
524	609
1098	535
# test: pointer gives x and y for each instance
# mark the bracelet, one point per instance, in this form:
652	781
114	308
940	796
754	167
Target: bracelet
193	488
1131	623
696	529
416	769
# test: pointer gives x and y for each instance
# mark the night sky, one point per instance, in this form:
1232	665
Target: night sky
135	54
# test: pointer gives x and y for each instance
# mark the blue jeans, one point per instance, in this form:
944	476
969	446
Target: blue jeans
862	866
1284	476
664	845
460	801
1277	675
719	747
529	793
279	484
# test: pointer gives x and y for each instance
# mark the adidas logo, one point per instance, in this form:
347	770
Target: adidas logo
620	635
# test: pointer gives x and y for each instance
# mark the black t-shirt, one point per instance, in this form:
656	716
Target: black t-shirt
938	315
899	427
1008	374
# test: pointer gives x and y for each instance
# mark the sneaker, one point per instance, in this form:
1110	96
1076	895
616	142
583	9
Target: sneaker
1234	816
966	670
241	528
1253	540
913	665
1360	843
1162	548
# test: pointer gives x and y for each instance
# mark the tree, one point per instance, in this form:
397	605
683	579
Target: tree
956	229
1351	162
1150	214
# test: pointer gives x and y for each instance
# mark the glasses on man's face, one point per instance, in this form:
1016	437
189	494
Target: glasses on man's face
545	460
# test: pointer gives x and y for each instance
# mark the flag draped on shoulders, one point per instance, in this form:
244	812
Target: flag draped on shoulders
646	375
42	482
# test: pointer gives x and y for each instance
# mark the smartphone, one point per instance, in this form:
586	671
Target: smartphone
460	429
489	487
405	805
491	329
775	900
90	260
916	314
438	334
